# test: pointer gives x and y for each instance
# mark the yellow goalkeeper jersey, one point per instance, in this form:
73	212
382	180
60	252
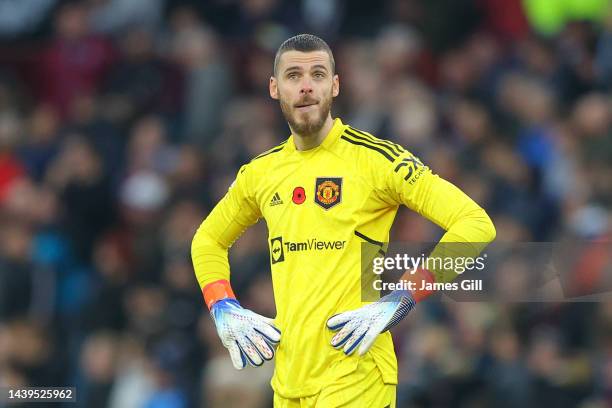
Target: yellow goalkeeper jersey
320	205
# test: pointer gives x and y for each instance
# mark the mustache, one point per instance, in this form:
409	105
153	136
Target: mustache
306	101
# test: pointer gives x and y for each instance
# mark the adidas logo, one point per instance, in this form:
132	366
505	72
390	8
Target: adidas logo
276	200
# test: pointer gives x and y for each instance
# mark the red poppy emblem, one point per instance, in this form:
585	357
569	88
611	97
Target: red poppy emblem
299	195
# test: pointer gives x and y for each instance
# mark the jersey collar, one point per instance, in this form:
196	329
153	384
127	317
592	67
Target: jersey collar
333	135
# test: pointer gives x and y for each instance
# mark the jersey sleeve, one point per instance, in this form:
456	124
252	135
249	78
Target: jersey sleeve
410	182
236	211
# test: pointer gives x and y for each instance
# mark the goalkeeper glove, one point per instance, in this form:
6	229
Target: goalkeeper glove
363	325
249	337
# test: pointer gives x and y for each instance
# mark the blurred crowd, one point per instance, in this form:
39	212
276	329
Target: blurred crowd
122	122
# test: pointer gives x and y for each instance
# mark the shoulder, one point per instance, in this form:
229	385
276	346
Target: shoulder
269	152
380	158
365	146
264	160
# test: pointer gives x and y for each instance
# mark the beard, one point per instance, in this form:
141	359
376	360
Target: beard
310	123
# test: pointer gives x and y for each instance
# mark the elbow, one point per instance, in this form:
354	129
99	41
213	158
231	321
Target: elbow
194	242
489	229
199	241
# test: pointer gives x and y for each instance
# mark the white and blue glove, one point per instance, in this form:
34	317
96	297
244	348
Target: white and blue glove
249	337
363	325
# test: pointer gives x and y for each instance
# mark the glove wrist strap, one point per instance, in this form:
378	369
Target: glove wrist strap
216	291
422	278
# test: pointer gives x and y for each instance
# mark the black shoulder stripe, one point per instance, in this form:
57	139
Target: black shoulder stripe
399	149
374	142
369	146
276	149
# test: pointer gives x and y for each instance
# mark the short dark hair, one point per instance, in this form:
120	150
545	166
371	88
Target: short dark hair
304	43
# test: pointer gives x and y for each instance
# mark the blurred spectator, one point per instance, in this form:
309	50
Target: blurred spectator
98	361
133	384
79	177
41	144
15	271
141	82
208	84
75	62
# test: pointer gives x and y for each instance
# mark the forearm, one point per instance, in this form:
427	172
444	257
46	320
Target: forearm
468	227
466	238
209	258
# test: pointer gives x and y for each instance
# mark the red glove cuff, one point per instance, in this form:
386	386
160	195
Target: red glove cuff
217	290
418	277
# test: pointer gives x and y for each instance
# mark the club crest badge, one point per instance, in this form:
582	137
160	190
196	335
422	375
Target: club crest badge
328	191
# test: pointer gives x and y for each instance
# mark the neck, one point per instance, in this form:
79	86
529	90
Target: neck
307	142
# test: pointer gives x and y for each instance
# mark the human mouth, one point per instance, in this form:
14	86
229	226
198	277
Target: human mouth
305	107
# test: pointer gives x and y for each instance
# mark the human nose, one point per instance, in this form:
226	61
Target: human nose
306	86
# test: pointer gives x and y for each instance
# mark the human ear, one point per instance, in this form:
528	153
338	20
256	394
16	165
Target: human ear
273	88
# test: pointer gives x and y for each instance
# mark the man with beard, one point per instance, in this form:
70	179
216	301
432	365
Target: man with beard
323	192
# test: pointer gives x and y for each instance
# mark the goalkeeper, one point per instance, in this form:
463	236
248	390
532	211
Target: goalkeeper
323	192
